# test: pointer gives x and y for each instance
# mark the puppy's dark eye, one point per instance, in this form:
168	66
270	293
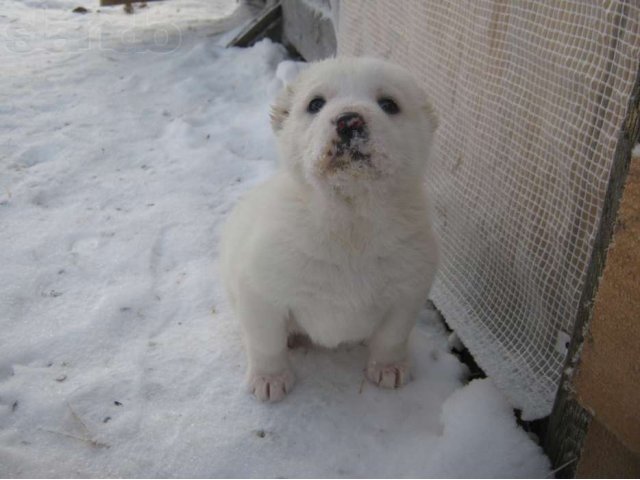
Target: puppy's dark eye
388	105
316	105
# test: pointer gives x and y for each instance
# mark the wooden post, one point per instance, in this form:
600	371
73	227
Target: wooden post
579	422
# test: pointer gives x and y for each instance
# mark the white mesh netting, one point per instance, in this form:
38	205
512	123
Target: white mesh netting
531	97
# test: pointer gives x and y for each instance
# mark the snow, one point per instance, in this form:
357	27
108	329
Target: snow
122	152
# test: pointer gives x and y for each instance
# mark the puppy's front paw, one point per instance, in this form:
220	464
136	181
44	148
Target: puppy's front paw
271	388
391	375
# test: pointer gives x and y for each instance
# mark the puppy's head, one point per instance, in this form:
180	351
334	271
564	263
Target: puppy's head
348	123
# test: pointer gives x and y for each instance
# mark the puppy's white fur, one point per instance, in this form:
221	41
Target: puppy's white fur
337	249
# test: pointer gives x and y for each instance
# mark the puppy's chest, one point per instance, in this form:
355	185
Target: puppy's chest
362	281
340	292
351	280
336	303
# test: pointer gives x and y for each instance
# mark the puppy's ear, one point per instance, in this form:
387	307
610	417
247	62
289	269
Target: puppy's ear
432	115
280	108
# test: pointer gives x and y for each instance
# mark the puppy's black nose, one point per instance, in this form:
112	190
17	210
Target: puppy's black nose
350	125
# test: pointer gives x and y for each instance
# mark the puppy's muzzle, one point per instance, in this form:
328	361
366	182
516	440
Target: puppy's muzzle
353	135
351	126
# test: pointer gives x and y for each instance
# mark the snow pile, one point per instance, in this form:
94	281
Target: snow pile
119	355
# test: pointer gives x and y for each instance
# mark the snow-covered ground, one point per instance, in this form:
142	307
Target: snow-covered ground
124	142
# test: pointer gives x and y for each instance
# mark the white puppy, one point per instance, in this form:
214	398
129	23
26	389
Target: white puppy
338	245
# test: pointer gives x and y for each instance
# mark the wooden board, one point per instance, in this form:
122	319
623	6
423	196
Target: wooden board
572	414
604	457
266	24
311	34
608	378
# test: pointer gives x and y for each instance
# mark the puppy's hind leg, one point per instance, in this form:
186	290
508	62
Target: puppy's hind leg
269	375
388	364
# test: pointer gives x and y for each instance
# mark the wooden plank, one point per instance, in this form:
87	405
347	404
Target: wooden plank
566	432
266	24
608	376
569	420
604	456
311	34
